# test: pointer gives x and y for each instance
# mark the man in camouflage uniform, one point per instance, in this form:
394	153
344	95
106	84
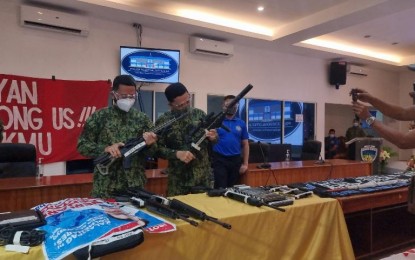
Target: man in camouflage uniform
355	131
107	129
186	167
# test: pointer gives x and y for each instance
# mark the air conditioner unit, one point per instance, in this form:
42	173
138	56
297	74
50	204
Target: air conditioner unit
210	47
50	20
357	70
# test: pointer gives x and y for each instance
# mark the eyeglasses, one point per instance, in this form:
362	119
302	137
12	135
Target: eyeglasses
124	96
183	104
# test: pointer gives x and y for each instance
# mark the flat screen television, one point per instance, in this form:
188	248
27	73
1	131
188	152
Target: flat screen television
150	65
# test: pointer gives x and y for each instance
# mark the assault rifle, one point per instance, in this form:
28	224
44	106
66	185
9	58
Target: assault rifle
212	122
131	147
172	208
233	194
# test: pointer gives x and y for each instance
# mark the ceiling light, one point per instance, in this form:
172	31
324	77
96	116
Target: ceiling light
352	49
260	8
219	20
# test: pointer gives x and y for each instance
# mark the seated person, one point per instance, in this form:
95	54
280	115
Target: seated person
331	144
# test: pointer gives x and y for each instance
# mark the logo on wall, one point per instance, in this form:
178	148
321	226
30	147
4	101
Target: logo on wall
368	153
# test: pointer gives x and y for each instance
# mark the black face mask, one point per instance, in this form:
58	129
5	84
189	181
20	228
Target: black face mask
232	110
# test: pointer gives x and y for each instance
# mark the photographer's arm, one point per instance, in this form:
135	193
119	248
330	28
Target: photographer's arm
402	140
390	110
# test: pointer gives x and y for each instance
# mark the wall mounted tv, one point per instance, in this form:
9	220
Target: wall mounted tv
150	65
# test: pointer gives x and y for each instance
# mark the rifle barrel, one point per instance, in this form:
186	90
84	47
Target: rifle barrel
215	220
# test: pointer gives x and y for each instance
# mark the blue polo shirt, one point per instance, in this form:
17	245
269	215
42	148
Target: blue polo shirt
229	143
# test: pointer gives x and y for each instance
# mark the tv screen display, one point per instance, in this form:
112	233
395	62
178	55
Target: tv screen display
150	65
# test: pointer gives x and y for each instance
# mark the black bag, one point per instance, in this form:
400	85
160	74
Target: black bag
110	245
22	220
22	224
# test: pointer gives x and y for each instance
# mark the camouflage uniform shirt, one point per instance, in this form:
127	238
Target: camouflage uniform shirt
354	132
106	127
181	176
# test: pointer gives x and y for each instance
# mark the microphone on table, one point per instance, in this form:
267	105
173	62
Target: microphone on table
265	164
320	160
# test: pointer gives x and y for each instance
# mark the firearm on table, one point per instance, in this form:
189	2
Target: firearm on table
213	122
232	194
131	147
173	208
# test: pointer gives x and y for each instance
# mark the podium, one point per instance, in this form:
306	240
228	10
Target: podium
366	149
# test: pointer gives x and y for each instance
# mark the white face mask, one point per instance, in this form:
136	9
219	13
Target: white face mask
125	104
355	124
331	135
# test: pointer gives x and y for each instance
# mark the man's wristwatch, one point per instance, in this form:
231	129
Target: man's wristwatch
370	120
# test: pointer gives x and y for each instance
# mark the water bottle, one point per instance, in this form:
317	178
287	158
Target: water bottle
288	156
39	168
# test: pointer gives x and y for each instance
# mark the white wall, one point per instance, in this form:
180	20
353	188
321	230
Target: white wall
274	75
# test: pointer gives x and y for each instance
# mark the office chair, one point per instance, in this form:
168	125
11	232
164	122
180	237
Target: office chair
255	153
311	150
17	160
80	166
277	152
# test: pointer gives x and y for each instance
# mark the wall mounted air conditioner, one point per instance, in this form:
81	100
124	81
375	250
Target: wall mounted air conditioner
210	47
357	70
50	20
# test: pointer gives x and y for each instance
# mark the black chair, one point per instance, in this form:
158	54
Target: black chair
17	160
255	153
80	166
278	152
311	150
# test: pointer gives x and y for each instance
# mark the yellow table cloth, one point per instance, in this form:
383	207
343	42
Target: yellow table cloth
312	228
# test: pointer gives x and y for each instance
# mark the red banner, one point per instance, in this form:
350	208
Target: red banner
49	114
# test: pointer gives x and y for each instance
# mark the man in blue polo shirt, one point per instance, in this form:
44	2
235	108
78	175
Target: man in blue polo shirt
231	153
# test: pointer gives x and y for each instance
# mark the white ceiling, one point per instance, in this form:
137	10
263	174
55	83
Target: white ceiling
380	27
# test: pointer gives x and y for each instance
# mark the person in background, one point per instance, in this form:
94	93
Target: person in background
342	152
1	130
106	131
355	131
187	168
231	153
331	144
403	140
